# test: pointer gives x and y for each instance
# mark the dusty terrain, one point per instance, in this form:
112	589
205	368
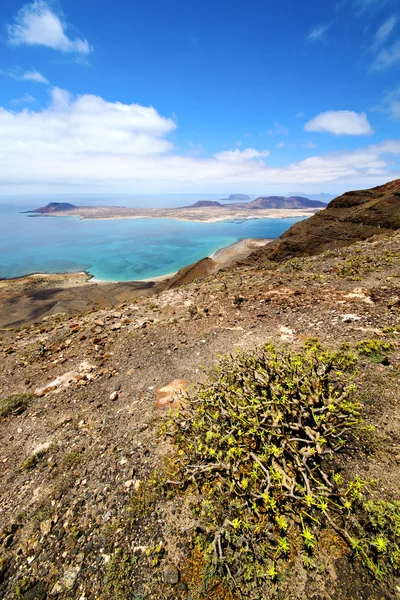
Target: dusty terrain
76	512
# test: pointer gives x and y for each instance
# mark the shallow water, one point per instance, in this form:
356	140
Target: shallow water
116	250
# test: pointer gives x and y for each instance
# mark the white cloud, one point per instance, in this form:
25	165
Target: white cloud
340	122
309	145
387	57
241	155
31	75
318	33
26	99
88	143
34	75
36	24
278	129
385	30
281	144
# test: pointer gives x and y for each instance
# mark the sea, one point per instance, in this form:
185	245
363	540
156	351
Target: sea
115	250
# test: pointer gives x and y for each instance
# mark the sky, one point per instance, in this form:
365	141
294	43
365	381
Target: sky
197	97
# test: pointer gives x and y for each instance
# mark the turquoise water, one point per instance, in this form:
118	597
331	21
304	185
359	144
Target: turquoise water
120	250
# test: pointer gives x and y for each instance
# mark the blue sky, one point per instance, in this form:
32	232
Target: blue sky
193	97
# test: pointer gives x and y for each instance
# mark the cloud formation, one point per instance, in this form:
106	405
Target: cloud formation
318	33
391	104
26	99
34	75
340	122
88	142
387	57
36	24
31	75
385	30
278	129
237	155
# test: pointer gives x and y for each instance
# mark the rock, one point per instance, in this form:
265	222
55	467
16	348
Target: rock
45	526
350	318
171	395
171	574
38	592
114	396
116	326
67	581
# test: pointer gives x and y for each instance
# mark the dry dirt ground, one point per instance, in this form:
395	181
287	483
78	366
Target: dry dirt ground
81	515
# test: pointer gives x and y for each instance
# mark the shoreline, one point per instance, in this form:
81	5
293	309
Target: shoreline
28	299
197	215
221	257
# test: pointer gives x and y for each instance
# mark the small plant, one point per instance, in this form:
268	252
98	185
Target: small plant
14	405
72	459
376	350
118	580
30	463
258	443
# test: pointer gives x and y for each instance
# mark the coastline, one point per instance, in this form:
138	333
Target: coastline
198	215
27	299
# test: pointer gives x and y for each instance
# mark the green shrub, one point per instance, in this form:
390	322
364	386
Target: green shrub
374	349
258	443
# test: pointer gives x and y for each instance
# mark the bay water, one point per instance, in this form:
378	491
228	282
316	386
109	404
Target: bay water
116	250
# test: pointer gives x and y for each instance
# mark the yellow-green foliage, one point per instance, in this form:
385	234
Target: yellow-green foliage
258	441
375	349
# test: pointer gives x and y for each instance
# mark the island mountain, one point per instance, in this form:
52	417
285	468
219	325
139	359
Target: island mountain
264	202
236	198
54	207
280	202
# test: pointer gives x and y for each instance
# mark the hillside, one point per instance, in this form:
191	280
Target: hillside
356	215
54	207
98	498
280	202
204	204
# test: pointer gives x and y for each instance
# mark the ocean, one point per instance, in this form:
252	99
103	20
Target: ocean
116	250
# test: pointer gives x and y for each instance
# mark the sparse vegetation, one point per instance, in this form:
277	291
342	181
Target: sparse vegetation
374	349
118	579
258	442
14	405
72	459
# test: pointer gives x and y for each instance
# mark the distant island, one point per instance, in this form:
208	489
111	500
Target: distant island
266	202
204	210
236	198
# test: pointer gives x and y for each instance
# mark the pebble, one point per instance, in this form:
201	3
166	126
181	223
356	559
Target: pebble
171	574
114	396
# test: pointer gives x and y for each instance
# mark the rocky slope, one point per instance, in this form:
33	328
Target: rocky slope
353	216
